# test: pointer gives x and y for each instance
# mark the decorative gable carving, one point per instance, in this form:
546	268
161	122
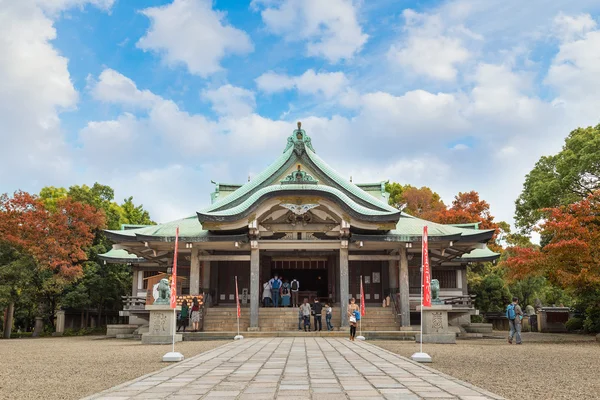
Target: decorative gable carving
299	177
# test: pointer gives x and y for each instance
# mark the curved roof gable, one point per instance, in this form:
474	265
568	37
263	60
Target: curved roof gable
299	150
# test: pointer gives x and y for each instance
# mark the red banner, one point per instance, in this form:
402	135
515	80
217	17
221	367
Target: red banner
426	300
237	300
362	299
174	272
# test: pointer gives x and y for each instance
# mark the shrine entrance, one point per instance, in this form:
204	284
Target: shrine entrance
312	273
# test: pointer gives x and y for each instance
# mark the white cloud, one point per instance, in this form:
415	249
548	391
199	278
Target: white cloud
431	48
115	88
330	28
460	146
190	32
35	87
54	6
327	84
231	100
575	69
570	27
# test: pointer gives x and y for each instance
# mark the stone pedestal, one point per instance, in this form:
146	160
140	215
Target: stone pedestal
38	329
60	323
435	325
161	325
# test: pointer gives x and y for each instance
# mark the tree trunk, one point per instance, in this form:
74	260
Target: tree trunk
8	320
82	318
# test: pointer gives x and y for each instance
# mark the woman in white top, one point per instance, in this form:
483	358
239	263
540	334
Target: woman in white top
266	294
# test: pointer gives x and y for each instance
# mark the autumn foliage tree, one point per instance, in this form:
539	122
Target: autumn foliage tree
418	202
55	239
571	257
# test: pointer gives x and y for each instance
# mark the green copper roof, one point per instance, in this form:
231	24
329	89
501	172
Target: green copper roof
299	150
347	185
188	227
239	209
470	225
119	255
484	254
409	225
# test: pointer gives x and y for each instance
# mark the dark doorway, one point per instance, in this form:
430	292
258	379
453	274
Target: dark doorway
312	275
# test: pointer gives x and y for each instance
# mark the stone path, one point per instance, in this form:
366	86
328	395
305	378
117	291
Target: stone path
296	368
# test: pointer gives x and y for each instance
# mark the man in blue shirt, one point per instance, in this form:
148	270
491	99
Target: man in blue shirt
275	287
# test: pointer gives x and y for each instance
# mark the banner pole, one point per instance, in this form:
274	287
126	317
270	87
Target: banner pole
173	356
421	308
174	327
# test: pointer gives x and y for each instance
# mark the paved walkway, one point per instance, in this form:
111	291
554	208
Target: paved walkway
296	368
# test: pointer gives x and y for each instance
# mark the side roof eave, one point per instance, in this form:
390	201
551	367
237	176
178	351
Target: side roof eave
479	255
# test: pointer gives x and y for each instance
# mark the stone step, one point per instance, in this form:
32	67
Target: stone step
369	335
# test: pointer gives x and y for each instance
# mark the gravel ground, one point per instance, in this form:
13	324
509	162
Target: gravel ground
546	366
74	367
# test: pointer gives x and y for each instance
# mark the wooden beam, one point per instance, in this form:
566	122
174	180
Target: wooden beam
373	257
241	257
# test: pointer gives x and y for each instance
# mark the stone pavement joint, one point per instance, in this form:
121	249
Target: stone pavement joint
296	368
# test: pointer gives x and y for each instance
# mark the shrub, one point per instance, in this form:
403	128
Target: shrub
476	319
592	319
574	324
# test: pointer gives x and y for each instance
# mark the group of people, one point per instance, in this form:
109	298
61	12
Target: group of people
305	310
186	314
275	291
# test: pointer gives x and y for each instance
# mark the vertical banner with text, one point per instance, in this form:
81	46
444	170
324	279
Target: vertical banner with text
362	299
237	299
426	301
174	272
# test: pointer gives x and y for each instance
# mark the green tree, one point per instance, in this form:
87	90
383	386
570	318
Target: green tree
102	285
561	179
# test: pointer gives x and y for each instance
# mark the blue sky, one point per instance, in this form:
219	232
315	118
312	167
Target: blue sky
158	98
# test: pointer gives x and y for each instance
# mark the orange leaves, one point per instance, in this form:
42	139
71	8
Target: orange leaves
55	237
572	256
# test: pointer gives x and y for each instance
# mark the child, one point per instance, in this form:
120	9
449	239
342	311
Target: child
328	317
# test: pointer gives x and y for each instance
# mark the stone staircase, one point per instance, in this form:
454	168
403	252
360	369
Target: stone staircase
223	319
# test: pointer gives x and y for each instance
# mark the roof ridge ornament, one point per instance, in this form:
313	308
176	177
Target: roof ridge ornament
299	140
299	177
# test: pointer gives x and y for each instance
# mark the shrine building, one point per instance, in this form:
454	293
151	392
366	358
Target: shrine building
301	219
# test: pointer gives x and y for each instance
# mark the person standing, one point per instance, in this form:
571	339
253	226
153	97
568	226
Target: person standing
300	318
305	307
266	293
275	288
514	315
328	317
352	308
184	316
318	309
295	285
195	314
285	294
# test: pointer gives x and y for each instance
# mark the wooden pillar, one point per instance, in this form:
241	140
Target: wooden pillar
393	276
134	281
195	273
254	285
205	275
404	289
344	283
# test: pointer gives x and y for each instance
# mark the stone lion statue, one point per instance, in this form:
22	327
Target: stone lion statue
435	291
163	292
